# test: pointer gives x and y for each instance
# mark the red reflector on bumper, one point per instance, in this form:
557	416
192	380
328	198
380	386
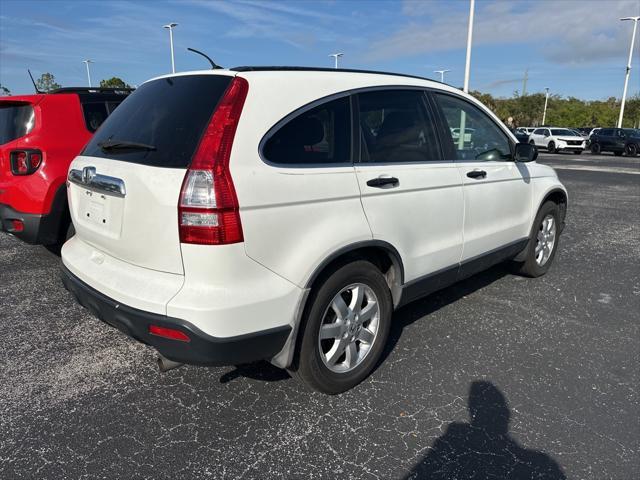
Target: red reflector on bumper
169	333
17	225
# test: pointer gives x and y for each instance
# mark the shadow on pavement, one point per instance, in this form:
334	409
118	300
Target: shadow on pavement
483	448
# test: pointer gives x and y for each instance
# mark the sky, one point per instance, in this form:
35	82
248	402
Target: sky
575	47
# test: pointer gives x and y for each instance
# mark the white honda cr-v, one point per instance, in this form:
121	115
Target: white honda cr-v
229	216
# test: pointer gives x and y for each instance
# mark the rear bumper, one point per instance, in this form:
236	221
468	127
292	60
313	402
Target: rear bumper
202	349
36	229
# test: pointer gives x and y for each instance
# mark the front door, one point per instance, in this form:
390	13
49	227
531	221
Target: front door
497	191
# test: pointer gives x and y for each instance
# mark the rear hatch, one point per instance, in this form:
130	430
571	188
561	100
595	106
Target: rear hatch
19	120
124	188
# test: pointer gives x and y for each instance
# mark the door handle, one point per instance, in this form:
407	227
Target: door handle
383	182
477	174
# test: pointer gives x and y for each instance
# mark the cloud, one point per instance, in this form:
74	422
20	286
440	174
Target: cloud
562	31
297	27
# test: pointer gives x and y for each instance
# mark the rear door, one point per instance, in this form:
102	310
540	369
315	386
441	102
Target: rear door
497	191
124	188
411	197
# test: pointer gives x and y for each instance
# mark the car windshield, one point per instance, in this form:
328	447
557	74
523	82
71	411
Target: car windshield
563	132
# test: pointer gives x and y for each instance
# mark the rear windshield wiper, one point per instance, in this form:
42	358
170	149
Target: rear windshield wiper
111	145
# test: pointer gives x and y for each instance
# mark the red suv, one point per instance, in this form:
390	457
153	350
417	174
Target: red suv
39	137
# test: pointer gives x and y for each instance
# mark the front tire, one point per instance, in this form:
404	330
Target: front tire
631	150
345	328
596	148
543	242
551	148
578	152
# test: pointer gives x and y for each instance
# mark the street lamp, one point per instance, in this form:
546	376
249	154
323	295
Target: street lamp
441	72
467	66
626	77
87	62
170	27
546	99
336	56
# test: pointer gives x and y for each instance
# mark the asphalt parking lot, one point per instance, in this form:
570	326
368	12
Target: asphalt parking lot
550	367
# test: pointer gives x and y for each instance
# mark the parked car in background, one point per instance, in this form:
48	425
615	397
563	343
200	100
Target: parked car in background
616	140
556	140
248	222
39	137
521	135
527	130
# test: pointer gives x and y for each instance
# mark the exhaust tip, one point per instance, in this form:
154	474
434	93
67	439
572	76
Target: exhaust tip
164	364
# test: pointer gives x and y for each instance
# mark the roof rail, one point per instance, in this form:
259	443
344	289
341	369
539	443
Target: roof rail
320	69
91	90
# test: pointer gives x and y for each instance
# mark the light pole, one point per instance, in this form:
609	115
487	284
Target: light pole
467	65
626	77
546	99
467	68
441	72
336	56
87	62
170	27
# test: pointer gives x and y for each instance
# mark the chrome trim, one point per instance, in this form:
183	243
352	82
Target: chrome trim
89	179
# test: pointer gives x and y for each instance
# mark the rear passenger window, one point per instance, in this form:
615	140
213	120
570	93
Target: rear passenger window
318	136
473	135
396	127
94	114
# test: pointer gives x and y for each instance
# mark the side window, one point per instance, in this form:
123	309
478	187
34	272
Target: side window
94	114
538	131
320	135
605	132
395	127
473	135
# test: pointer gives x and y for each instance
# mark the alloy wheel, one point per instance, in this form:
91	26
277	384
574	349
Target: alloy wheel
546	240
349	328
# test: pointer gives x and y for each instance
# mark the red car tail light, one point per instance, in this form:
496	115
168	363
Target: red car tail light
208	210
25	162
170	333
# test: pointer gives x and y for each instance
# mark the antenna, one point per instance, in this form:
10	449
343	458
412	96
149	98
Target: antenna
33	81
214	66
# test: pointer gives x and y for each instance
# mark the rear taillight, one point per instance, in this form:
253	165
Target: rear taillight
208	211
25	162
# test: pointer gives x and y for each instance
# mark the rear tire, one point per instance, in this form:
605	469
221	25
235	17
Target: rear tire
328	359
596	148
543	242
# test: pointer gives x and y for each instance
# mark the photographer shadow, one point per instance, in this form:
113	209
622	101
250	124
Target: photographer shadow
483	448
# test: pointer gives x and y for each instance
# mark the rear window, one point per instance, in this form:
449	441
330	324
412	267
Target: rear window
15	121
169	114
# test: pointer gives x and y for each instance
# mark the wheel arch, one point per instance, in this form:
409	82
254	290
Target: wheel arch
559	197
380	253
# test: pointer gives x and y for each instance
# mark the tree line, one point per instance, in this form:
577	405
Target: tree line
523	110
47	82
526	111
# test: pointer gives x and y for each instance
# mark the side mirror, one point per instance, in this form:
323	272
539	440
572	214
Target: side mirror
525	152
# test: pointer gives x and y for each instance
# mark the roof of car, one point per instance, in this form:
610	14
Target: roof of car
320	69
92	90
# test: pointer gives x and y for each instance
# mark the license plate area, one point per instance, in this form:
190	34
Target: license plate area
100	212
